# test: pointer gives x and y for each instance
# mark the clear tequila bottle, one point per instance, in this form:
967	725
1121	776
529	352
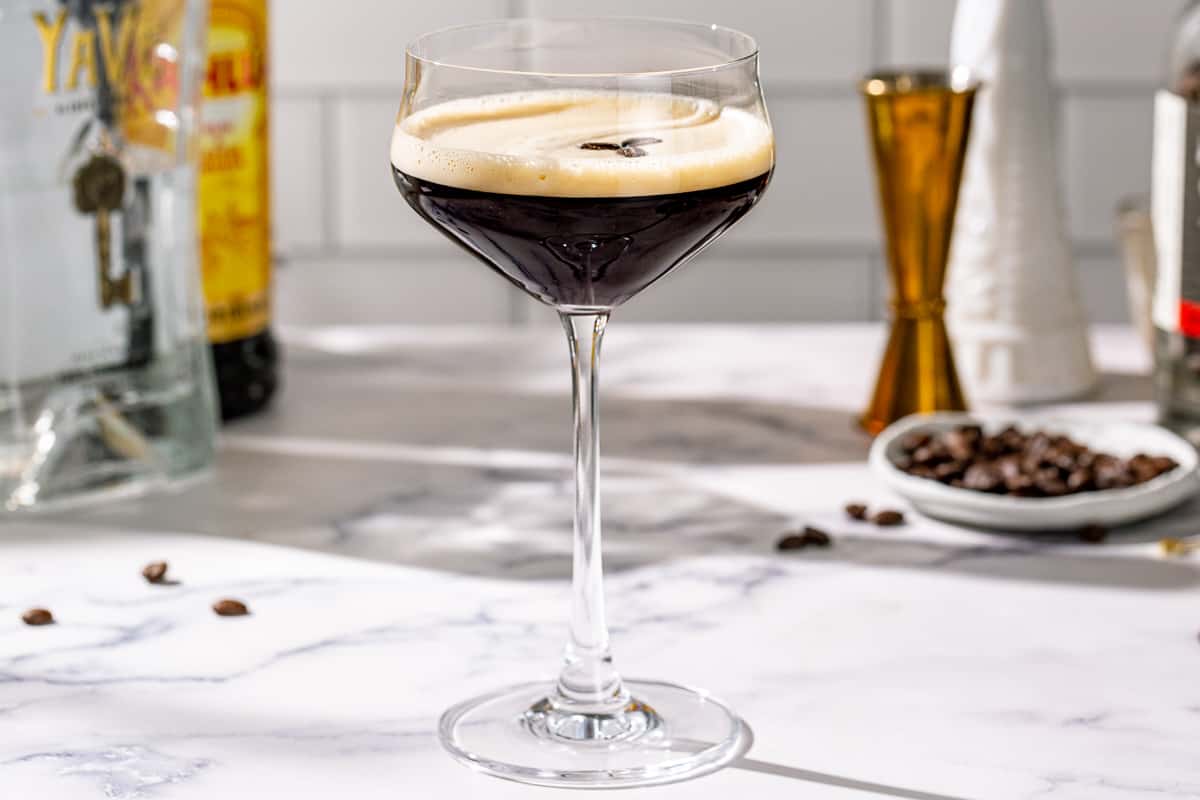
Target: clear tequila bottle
104	374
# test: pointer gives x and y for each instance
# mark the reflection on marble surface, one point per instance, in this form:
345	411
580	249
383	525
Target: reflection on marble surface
928	662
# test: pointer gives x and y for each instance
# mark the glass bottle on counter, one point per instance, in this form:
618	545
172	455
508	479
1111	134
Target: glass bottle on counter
104	373
234	207
1176	215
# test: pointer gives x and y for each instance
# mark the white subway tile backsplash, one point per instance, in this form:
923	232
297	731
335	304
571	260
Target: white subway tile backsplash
298	194
1108	143
801	40
1102	281
446	289
804	254
822	190
357	44
1093	40
722	286
919	32
369	211
1112	40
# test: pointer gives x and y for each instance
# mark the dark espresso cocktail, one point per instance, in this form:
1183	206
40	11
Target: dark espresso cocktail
583	199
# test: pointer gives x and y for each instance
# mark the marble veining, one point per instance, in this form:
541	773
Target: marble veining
399	527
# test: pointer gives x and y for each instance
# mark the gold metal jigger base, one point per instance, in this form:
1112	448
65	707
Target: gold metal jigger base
917	374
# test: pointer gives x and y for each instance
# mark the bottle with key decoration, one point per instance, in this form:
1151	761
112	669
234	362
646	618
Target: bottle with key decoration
105	382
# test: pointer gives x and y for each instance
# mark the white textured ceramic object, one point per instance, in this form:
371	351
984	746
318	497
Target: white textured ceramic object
1109	508
1014	311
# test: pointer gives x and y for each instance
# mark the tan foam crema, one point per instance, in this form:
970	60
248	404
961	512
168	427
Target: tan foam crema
529	144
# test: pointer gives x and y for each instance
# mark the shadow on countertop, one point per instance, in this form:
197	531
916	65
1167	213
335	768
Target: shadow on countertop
829	779
479	483
1123	387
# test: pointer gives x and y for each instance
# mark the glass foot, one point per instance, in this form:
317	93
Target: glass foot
667	733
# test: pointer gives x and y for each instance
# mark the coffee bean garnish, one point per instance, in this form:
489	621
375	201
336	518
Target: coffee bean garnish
816	536
155	572
888	518
630	148
856	511
230	608
1038	464
1093	534
793	541
36	617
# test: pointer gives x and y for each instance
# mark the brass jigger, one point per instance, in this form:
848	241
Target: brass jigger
919	123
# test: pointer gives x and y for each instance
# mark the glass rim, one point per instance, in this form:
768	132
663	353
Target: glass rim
751	53
958	79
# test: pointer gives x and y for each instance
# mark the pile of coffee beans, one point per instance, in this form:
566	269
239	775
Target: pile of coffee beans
1038	464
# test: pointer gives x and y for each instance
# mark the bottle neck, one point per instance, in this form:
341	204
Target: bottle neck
1183	67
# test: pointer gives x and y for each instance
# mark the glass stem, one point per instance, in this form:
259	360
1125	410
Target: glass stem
588	683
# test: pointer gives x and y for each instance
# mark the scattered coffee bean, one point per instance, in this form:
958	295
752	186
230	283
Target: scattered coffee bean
817	537
230	608
856	511
599	146
793	541
37	617
1038	464
888	518
1093	534
155	572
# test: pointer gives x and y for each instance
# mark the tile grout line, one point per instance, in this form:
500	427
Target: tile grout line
783	89
517	315
1081	249
878	48
878	33
331	196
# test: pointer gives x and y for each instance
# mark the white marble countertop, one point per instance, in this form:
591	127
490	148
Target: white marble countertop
926	662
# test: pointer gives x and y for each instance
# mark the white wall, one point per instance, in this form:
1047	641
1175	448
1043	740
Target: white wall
351	251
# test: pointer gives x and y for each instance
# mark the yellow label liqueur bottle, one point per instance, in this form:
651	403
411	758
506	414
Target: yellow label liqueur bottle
234	206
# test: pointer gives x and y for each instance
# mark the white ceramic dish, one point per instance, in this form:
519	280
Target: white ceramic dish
1109	508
